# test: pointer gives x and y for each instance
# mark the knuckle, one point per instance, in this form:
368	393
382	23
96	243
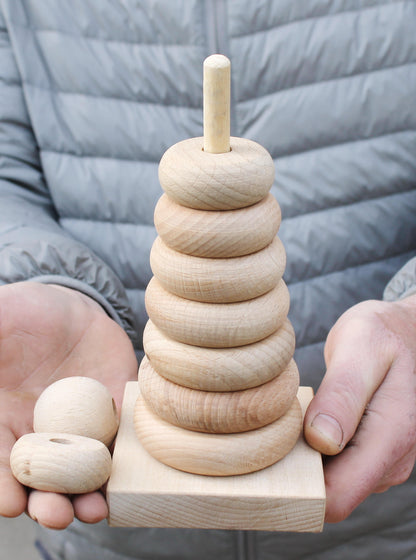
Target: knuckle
361	326
401	473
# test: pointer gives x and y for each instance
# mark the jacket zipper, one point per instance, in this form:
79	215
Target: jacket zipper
216	17
245	545
216	26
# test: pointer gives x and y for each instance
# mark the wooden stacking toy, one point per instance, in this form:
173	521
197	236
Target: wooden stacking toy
75	419
211	434
217	392
215	303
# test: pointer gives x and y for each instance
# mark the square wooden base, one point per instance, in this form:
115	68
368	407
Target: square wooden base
142	492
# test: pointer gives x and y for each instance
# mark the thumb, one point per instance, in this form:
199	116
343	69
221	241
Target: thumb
357	360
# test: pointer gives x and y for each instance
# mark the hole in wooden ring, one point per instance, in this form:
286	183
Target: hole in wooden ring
230	150
60	440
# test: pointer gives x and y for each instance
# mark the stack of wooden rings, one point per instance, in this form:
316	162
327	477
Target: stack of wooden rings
218	383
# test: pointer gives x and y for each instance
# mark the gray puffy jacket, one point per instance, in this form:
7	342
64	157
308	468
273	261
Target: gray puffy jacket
92	92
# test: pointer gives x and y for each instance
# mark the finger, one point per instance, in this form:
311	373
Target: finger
13	496
358	358
51	510
385	436
90	508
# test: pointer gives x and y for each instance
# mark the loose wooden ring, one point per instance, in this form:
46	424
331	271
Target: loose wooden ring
60	462
77	405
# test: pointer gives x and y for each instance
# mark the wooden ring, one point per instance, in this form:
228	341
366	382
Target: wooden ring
77	405
219	413
219	369
225	181
217	234
218	280
217	325
59	462
217	454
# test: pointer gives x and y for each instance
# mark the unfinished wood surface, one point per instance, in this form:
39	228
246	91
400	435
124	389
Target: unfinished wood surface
217	454
60	462
217	89
218	280
226	181
217	234
217	325
142	492
77	405
219	369
221	413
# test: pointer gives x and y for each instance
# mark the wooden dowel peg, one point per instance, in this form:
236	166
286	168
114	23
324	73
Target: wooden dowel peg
217	104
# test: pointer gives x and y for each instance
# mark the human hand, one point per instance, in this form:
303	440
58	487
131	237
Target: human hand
47	333
368	402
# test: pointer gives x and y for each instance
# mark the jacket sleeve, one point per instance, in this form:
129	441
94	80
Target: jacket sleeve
403	283
32	244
